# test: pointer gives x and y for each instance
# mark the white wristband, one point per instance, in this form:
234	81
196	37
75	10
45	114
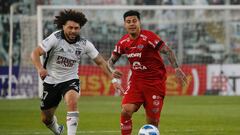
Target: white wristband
114	80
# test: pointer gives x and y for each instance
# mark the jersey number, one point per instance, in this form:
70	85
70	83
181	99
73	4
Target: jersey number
44	95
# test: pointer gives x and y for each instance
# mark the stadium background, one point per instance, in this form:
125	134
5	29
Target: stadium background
206	42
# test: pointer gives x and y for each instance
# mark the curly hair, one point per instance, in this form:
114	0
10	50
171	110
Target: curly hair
72	15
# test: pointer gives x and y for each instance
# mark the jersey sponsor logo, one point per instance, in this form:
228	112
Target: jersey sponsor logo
65	61
132	55
137	65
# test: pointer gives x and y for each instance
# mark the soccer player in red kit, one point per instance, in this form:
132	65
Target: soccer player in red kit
147	83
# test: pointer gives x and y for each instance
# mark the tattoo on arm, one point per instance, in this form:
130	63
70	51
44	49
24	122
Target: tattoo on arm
112	60
170	55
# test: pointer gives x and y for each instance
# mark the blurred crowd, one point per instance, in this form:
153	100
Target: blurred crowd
203	41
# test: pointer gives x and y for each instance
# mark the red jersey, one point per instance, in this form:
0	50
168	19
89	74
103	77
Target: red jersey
143	55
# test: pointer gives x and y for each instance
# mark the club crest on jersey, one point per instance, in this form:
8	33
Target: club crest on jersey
140	47
78	52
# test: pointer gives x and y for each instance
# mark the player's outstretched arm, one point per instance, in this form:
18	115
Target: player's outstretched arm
99	60
110	72
173	60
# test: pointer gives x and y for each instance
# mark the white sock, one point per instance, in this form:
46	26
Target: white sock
72	122
54	125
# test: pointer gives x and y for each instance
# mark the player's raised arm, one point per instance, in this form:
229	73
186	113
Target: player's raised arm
173	60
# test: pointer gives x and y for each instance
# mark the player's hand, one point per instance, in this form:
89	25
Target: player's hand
117	74
42	73
181	75
117	85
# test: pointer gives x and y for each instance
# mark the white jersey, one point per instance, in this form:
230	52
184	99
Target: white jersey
63	58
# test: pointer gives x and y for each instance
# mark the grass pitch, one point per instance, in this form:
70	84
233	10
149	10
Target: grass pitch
181	115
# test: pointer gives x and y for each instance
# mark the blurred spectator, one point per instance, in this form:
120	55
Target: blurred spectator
5	6
147	2
43	2
40	2
216	2
173	2
200	2
5	38
167	2
139	2
150	2
104	2
65	2
3	53
235	2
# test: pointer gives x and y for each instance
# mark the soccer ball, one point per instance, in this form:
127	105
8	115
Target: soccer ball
148	129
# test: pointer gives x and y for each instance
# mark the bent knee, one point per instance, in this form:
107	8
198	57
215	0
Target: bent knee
127	112
72	105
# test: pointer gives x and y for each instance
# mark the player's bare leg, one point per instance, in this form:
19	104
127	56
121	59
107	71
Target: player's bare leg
50	120
126	118
71	99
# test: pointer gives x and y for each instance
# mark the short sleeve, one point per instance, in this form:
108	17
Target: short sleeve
91	51
118	50
48	42
155	41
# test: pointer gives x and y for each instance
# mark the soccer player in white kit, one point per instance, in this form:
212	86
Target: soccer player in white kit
63	49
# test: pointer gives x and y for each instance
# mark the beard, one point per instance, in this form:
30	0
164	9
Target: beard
71	37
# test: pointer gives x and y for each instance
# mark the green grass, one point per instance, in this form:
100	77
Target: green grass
183	115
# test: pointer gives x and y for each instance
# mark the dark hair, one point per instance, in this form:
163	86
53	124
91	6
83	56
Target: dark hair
72	15
131	13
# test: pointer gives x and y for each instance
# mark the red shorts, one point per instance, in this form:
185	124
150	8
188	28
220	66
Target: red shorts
148	93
